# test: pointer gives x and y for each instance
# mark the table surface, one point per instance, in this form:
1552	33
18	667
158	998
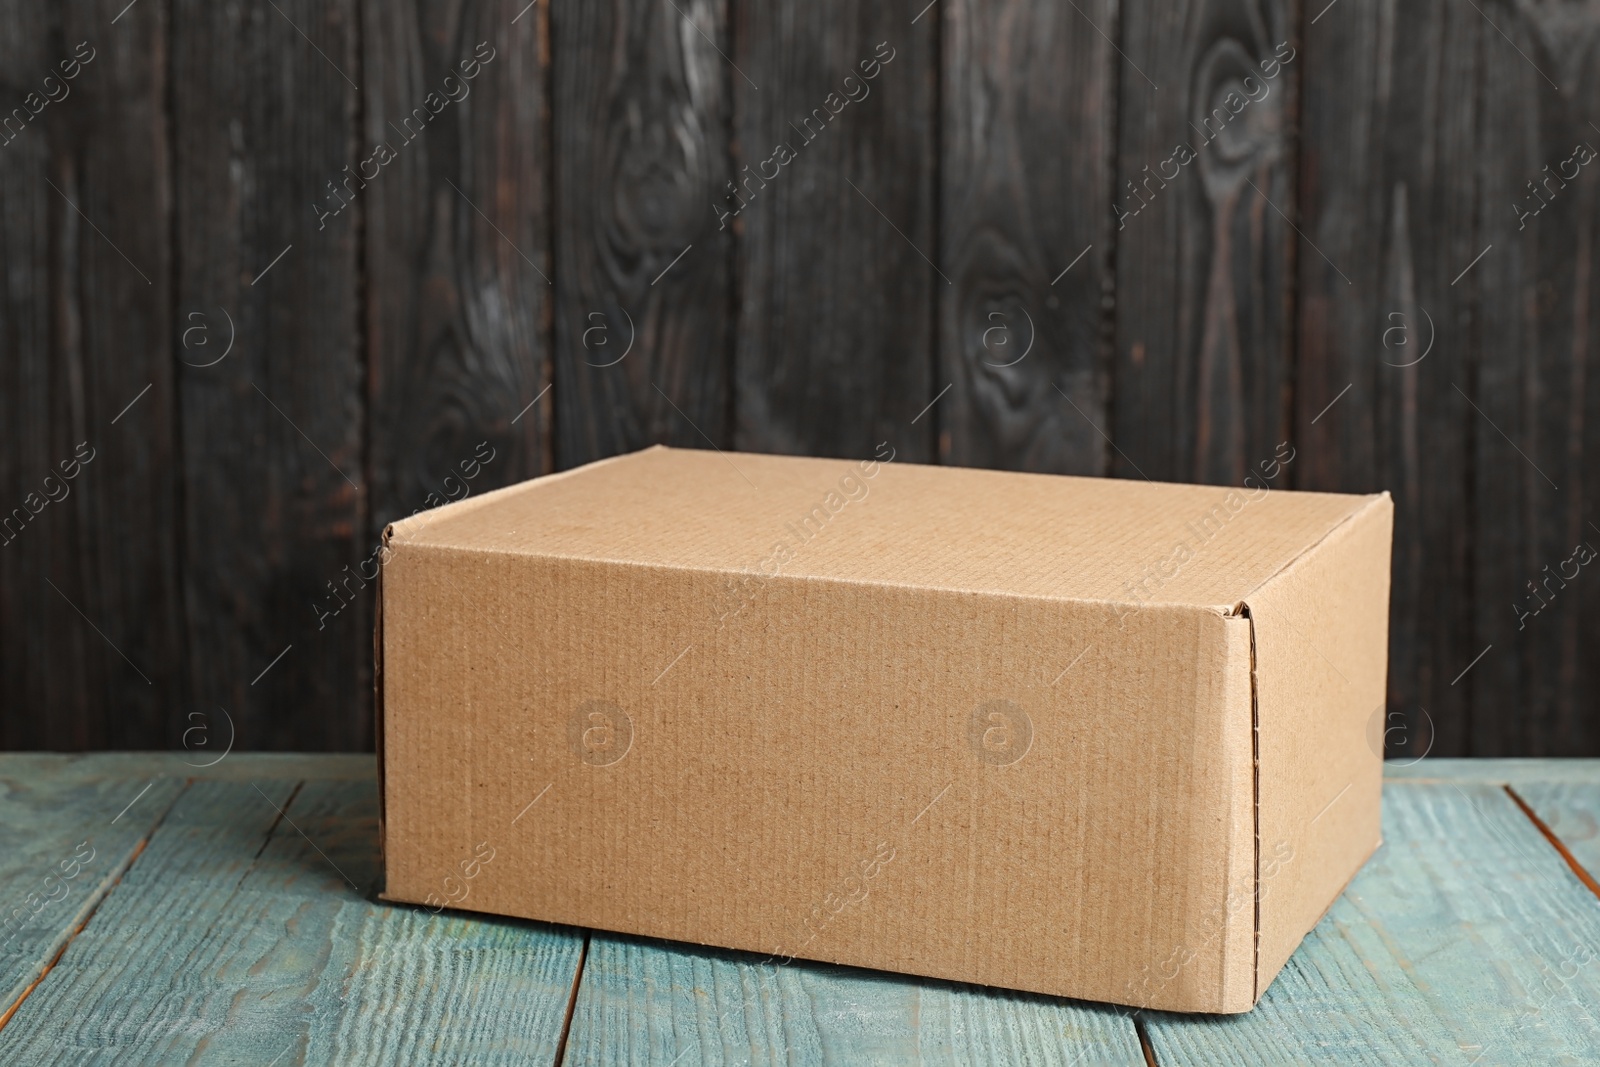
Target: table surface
161	913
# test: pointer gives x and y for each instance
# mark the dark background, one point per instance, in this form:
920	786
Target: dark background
1349	239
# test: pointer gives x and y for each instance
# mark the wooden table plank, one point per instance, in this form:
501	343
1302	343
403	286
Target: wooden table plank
241	935
1466	939
141	767
1515	772
64	834
106	993
644	1001
1571	811
232	938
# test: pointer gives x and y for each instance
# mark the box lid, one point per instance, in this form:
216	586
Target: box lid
946	528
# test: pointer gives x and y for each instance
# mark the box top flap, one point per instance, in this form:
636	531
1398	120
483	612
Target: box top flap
884	522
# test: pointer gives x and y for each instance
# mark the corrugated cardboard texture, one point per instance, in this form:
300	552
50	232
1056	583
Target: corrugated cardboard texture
1322	639
940	527
900	717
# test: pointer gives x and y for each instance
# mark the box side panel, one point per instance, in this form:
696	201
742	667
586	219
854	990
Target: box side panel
377	695
1322	639
1024	793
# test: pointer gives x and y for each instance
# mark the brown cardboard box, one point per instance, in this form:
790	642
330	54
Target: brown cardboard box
1104	739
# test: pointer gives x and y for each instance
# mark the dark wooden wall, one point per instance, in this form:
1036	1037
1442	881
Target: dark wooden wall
994	254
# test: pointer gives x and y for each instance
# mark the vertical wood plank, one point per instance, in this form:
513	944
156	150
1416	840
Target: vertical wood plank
90	612
1025	176
1204	250
1534	432
644	312
1384	333
274	487
836	256
455	136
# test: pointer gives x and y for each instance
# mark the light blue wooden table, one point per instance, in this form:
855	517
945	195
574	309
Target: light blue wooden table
155	913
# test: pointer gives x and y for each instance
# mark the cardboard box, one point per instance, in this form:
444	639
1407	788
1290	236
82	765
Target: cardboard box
1097	738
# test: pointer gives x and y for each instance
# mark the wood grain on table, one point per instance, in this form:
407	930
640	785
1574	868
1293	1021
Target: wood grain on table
228	915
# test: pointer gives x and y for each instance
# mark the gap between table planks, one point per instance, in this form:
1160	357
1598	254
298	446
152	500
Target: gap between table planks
227	917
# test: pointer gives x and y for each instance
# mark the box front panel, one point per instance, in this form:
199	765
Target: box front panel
1026	793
